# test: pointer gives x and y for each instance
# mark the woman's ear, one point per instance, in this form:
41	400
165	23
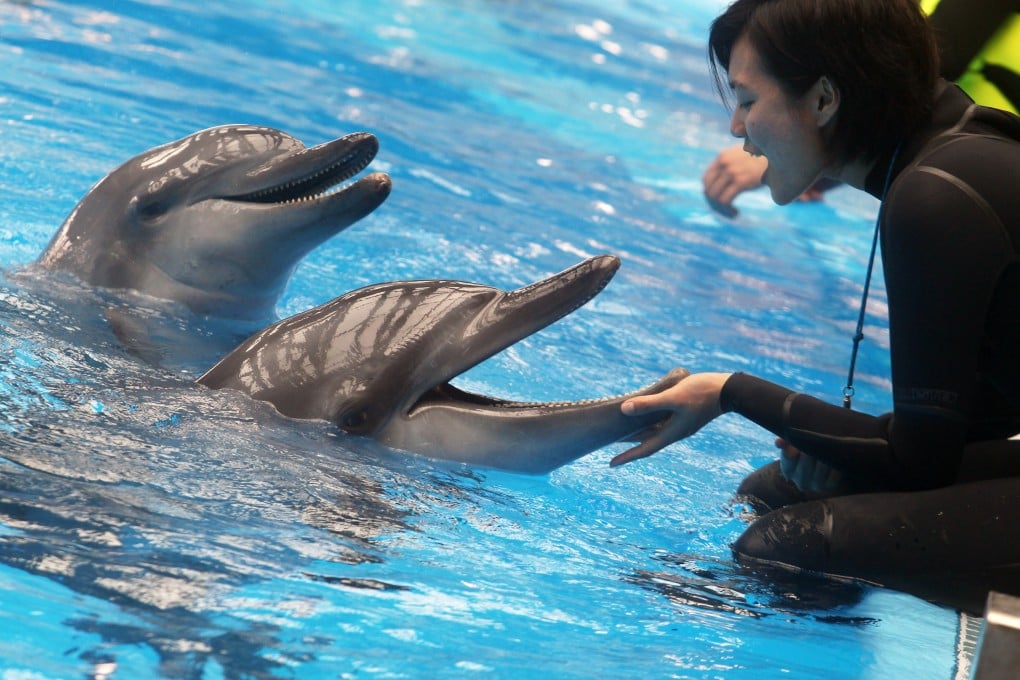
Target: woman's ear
825	100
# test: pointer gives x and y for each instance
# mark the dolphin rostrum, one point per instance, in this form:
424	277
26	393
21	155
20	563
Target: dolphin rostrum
217	220
376	362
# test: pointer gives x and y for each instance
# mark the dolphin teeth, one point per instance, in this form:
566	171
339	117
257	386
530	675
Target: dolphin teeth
295	191
449	391
320	183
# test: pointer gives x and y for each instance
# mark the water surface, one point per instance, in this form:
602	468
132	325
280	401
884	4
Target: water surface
149	527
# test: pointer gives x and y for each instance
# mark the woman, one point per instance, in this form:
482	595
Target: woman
923	499
979	44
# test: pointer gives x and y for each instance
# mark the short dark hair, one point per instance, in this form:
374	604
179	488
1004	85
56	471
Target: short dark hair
880	55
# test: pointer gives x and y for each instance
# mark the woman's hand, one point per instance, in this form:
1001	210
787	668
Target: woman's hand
806	472
694	402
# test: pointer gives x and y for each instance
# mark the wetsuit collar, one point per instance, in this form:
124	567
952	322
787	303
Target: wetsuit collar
950	104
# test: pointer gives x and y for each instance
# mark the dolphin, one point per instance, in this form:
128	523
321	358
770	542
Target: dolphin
377	362
217	220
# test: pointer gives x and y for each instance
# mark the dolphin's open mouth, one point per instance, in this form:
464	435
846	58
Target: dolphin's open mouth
449	395
512	317
314	173
517	315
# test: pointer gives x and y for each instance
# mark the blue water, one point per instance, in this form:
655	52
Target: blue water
150	528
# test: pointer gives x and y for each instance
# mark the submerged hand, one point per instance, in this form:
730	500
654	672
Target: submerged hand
733	172
693	402
807	473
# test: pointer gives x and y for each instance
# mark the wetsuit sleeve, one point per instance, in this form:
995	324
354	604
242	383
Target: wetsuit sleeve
942	254
851	441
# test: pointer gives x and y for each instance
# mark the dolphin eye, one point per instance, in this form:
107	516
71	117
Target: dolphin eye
151	210
354	421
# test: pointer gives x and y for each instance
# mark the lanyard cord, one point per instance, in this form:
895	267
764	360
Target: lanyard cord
848	389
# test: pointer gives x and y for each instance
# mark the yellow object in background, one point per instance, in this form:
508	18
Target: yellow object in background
981	53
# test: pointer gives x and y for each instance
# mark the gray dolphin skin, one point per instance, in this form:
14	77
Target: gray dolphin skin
218	220
377	362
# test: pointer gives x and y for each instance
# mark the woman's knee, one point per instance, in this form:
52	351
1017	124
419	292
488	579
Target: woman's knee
766	489
797	536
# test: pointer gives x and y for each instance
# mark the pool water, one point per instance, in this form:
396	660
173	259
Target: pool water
152	528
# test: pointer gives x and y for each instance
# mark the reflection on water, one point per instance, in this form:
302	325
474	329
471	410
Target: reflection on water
696	581
126	483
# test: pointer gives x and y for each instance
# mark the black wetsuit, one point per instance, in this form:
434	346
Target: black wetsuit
932	505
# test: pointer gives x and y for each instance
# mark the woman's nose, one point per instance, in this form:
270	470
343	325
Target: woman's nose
737	128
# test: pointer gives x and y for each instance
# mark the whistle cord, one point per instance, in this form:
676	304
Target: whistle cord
848	389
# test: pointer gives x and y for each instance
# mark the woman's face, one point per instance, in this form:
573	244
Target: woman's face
788	131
